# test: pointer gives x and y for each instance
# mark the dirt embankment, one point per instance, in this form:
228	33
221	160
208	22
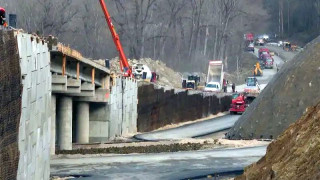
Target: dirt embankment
285	99
294	155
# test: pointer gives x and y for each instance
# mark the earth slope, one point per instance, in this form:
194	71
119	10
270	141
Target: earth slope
294	155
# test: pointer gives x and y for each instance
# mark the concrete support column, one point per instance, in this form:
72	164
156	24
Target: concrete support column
53	124
65	123
82	123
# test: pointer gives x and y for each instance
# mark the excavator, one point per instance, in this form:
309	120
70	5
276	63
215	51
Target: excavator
124	64
257	70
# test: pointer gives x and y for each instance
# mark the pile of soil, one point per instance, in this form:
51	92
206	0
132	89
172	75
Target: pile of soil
294	155
167	76
294	88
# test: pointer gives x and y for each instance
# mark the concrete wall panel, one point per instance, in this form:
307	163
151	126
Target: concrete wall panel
35	122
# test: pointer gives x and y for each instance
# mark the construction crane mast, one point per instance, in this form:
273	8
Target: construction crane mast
124	65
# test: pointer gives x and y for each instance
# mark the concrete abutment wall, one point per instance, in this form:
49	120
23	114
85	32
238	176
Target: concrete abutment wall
35	122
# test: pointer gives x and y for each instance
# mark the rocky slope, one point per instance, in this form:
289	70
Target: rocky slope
294	155
285	99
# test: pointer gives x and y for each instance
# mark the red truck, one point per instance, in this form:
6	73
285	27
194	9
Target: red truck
267	61
238	104
240	101
249	37
263	51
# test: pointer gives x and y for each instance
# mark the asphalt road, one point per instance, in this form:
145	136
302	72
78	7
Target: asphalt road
179	165
191	130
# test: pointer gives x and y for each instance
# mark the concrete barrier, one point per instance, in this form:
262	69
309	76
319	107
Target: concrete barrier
159	107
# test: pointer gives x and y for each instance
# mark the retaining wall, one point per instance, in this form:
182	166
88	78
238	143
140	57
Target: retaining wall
35	122
25	98
123	108
158	107
119	116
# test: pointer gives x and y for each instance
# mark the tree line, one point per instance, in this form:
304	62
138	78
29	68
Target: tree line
185	34
296	19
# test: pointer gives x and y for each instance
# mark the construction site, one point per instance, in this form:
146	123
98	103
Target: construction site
120	98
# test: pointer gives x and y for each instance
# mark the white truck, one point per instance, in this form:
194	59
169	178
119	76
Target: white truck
215	76
141	71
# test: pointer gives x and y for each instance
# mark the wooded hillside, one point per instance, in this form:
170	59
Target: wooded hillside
185	34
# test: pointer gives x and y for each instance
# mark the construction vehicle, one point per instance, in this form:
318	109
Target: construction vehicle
250	47
260	42
241	101
287	46
141	71
267	61
252	86
192	82
257	70
263	51
3	21
124	64
249	37
238	103
215	73
249	44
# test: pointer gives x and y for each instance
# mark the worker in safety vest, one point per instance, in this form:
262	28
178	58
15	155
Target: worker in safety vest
3	17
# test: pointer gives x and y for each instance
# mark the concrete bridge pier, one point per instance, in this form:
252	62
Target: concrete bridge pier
82	123
65	124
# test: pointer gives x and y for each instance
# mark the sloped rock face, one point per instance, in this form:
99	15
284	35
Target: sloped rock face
285	99
294	155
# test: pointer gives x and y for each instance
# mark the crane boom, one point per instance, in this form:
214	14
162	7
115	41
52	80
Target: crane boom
124	65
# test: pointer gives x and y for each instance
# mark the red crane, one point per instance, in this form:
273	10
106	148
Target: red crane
124	65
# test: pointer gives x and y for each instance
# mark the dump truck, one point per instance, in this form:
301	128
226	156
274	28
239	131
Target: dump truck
215	73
